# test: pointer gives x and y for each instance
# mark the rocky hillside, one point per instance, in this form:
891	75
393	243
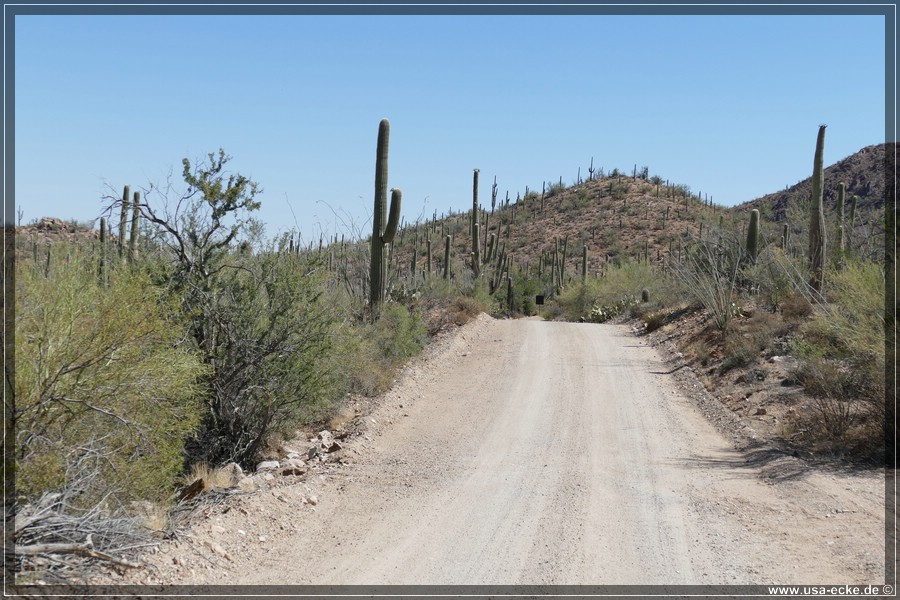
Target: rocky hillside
863	173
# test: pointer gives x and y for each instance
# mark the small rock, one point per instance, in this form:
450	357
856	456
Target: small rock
293	471
332	447
268	476
262	538
268	465
312	452
312	500
217	549
759	411
234	472
246	484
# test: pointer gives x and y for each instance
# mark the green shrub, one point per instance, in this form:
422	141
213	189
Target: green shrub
267	338
621	286
400	334
842	362
106	390
852	329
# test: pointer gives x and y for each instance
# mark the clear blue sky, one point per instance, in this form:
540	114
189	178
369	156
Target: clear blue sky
729	105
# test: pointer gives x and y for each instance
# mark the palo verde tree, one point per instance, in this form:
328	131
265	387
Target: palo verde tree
255	319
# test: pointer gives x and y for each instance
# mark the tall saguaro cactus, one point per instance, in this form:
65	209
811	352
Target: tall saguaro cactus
840	216
135	229
476	251
584	263
753	235
494	195
123	222
473	226
101	272
817	217
382	233
447	242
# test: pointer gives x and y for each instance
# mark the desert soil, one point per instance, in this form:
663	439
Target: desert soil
533	452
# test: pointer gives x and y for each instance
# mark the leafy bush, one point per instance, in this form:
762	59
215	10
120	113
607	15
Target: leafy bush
842	353
600	299
106	388
852	329
267	334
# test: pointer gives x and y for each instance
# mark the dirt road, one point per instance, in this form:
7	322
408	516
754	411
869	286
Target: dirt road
531	452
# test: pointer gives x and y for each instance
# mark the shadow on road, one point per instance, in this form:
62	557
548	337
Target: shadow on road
767	462
759	461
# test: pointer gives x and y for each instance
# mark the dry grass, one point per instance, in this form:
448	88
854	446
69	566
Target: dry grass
212	478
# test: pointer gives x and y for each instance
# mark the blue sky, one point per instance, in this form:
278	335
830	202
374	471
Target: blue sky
729	105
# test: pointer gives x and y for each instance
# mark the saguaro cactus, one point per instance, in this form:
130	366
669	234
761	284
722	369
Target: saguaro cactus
840	215
123	222
382	233
473	226
584	253
753	235
494	195
135	222
101	272
476	250
447	241
817	217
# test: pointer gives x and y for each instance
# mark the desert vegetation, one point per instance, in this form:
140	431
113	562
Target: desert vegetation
765	288
178	338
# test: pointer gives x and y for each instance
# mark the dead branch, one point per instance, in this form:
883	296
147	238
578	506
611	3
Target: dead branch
86	549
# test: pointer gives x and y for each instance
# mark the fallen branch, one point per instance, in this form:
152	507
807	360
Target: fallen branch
85	549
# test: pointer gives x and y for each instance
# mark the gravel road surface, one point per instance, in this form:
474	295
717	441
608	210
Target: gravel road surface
532	452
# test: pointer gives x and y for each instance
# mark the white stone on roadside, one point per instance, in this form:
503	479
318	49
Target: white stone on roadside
268	465
217	549
247	484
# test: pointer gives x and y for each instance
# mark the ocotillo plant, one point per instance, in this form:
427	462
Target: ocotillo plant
817	217
753	235
382	233
123	222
